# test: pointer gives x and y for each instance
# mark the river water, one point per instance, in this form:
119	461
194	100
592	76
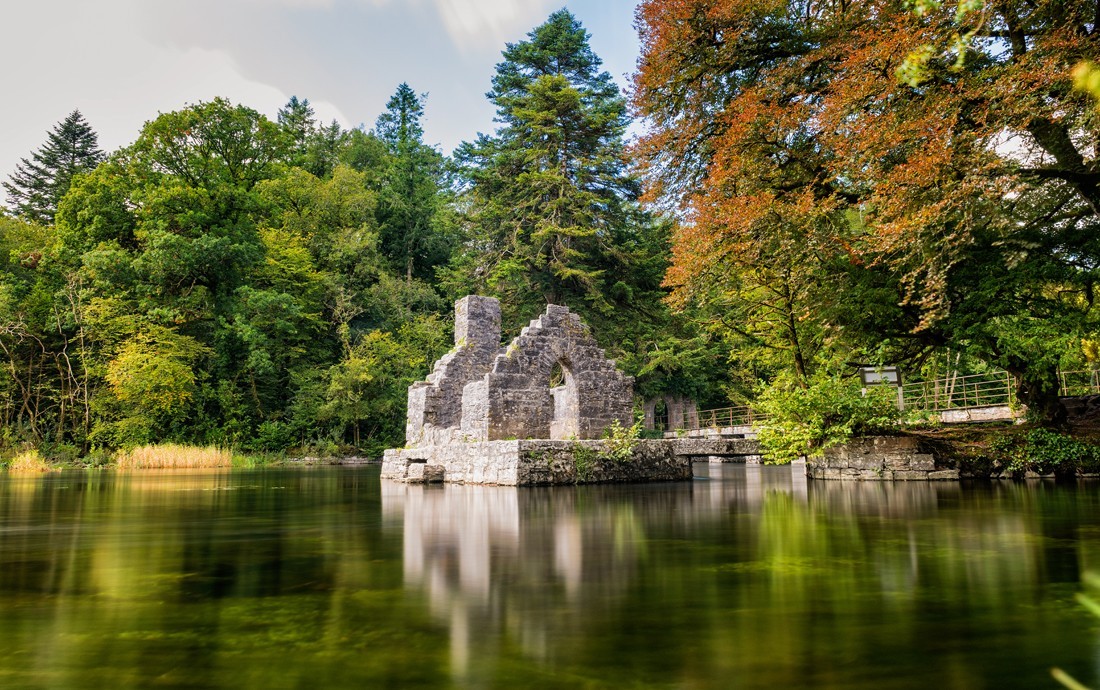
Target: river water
746	577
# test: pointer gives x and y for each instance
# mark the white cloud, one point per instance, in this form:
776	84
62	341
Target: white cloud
488	19
101	63
122	61
471	23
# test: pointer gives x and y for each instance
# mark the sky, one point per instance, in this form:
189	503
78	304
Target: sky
121	62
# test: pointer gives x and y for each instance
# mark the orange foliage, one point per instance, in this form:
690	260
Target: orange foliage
770	119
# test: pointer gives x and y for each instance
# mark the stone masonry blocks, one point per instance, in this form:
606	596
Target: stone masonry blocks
435	405
877	458
482	392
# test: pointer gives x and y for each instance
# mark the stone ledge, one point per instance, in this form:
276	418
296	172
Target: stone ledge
878	458
534	463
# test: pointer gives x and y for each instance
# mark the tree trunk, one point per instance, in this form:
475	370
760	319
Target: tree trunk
1038	390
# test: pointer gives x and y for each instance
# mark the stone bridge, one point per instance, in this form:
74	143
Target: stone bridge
716	449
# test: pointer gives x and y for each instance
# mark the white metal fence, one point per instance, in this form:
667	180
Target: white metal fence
956	392
960	392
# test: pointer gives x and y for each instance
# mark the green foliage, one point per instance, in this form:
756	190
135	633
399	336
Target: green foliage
827	412
620	441
552	215
1044	451
201	287
367	389
210	144
550	196
1086	78
584	461
617	446
152	378
416	229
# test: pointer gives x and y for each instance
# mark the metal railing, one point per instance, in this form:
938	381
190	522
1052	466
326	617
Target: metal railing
718	418
1073	383
727	416
960	392
951	393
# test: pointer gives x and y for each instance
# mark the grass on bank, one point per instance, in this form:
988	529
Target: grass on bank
29	462
173	456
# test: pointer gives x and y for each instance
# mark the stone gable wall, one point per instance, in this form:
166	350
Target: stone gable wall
482	392
516	401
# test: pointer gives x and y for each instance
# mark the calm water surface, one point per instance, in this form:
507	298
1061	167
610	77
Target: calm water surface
747	577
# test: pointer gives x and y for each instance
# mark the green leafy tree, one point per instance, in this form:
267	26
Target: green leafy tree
39	182
164	239
368	388
152	378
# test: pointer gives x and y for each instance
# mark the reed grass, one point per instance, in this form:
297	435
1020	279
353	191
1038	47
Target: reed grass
173	456
29	461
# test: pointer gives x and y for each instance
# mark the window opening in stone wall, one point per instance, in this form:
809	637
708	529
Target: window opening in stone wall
557	376
563	395
660	416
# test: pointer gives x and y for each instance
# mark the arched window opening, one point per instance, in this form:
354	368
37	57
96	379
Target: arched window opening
563	391
557	376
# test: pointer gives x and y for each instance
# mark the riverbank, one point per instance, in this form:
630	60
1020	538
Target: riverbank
33	460
1004	449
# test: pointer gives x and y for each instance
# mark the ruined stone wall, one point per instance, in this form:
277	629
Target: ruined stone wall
481	392
515	401
435	405
680	413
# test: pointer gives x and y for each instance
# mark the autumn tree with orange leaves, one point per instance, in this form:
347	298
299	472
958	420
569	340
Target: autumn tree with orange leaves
837	203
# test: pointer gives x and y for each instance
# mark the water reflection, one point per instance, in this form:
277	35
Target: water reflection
332	579
761	568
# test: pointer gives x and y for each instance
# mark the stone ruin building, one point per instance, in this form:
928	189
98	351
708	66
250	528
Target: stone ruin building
678	413
532	413
480	391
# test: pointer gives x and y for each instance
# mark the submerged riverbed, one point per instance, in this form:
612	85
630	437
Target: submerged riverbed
747	577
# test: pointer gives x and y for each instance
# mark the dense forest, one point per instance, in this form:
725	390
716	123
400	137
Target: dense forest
267	285
819	186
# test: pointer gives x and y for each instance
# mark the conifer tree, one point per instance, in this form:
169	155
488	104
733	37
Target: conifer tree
411	209
40	181
554	210
553	214
297	119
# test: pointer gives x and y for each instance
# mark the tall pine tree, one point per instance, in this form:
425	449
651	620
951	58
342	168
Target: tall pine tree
554	216
554	211
39	182
412	208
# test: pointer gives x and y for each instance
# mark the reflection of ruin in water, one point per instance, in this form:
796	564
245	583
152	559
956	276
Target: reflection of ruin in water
541	566
503	559
295	578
